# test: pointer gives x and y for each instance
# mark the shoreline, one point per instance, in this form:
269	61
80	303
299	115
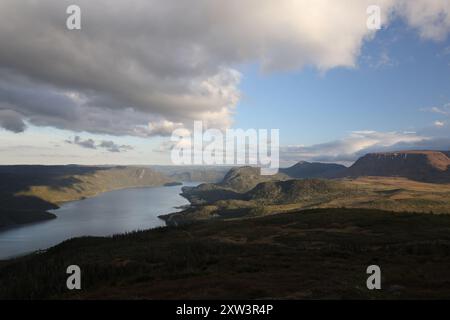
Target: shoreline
54	206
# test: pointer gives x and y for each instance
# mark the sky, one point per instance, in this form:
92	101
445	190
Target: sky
114	91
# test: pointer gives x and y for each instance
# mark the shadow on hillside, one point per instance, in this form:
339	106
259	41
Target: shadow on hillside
15	179
19	209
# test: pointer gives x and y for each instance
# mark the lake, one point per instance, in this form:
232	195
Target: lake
107	214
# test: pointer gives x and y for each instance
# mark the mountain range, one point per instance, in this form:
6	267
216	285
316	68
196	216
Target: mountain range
418	165
414	181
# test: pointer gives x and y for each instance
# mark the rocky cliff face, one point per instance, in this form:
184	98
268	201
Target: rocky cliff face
427	166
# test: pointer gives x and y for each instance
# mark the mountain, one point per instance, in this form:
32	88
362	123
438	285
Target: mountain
303	170
426	166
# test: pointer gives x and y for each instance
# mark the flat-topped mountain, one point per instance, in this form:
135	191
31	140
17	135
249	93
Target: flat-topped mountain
427	166
305	170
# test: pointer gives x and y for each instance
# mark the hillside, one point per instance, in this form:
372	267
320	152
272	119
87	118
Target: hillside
426	166
273	197
240	180
304	170
295	191
27	192
314	254
98	180
243	179
235	183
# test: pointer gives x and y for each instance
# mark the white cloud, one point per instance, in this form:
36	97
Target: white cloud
353	146
142	67
430	17
444	110
439	124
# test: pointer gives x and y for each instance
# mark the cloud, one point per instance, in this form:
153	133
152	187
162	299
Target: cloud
12	121
444	110
105	144
430	17
112	147
439	127
136	66
358	143
88	144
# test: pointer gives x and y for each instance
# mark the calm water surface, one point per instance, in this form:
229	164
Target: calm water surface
110	213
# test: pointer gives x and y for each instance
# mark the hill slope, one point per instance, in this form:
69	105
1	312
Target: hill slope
243	179
236	182
326	251
295	191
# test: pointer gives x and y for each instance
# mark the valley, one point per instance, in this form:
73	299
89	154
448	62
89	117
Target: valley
249	236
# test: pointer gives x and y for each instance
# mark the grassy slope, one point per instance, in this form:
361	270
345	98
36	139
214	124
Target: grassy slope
312	254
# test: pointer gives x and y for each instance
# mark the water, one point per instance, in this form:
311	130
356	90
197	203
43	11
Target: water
107	214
